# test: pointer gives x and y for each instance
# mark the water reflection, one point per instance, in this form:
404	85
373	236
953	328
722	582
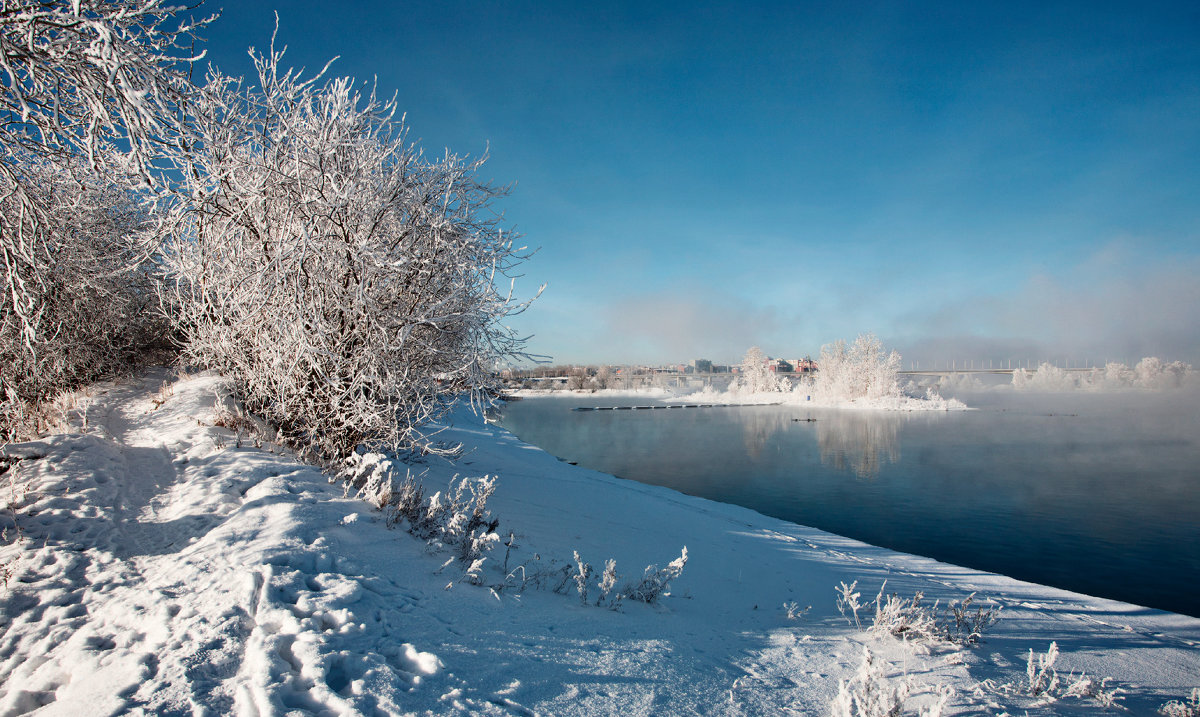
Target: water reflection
759	427
858	441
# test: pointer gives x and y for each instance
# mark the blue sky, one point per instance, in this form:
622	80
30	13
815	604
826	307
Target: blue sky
970	181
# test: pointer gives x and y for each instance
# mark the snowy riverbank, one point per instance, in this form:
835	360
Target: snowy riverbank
165	565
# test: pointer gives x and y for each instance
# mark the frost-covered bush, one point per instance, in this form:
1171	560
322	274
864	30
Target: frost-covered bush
848	601
458	520
78	304
1150	373
90	95
870	693
656	582
1047	685
346	282
755	375
906	618
861	370
1179	708
911	619
1047	377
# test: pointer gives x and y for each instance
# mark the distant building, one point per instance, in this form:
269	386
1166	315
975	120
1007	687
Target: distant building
804	365
779	366
700	366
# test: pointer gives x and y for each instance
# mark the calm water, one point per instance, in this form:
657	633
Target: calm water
1094	493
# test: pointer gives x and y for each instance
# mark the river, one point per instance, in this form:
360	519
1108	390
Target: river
1096	493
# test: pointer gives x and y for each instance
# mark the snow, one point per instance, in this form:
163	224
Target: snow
803	394
168	566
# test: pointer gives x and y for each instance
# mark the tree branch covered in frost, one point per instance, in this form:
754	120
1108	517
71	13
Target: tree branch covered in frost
89	78
75	306
861	370
89	87
349	284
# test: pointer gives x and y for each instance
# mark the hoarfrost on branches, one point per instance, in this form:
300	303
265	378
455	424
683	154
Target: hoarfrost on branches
349	284
76	305
89	85
755	376
860	370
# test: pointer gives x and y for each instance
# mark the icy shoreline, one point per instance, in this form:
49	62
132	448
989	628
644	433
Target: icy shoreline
168	565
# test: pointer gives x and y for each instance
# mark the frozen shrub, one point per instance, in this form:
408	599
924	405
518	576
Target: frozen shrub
1042	678
76	307
869	693
608	580
861	370
969	625
905	618
655	582
1098	690
1047	685
793	611
1178	708
352	287
90	95
458	520
584	572
848	600
912	620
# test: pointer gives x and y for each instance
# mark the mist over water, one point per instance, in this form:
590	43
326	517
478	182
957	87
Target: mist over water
1097	493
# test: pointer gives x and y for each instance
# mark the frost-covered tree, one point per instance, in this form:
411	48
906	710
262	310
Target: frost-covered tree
85	77
350	285
86	83
755	375
861	370
95	309
87	289
91	92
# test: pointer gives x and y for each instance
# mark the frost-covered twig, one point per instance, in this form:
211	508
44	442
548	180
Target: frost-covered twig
656	582
849	600
869	693
1042	678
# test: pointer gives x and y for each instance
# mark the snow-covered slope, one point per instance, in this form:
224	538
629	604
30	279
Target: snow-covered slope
164	568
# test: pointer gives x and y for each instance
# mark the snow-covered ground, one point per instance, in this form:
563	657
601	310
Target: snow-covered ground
165	566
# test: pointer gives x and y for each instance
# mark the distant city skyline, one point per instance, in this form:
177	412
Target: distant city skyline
979	180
